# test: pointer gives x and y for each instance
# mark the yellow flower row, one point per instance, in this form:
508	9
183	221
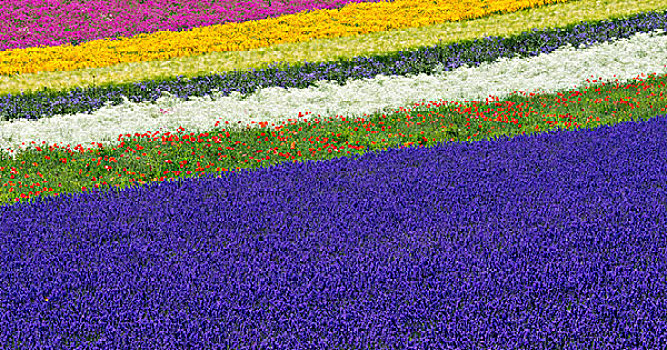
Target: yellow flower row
354	19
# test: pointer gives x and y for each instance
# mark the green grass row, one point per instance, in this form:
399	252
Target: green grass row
140	159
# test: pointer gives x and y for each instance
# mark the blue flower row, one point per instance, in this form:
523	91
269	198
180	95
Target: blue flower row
554	241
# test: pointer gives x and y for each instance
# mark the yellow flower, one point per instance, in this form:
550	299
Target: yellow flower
353	19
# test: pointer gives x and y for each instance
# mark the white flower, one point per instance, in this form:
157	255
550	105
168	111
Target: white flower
562	69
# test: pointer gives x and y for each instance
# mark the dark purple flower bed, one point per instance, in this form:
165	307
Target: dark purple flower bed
554	241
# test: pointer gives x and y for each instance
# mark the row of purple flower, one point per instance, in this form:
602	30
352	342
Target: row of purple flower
554	241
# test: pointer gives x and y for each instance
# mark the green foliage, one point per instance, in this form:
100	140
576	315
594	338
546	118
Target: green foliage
139	161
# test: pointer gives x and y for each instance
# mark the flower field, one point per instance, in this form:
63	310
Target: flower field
407	174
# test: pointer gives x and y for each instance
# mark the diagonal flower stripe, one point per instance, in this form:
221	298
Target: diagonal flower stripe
390	248
622	59
332	49
76	22
353	19
372	229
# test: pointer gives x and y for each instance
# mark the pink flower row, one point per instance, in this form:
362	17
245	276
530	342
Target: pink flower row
32	23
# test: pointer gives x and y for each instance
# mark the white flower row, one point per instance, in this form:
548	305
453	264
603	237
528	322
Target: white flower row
565	68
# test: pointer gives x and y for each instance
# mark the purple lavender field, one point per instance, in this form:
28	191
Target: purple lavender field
554	241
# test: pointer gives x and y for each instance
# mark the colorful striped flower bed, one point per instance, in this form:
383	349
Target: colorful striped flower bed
488	183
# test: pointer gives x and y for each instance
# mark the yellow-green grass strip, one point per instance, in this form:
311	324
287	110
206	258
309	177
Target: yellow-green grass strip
351	20
323	50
